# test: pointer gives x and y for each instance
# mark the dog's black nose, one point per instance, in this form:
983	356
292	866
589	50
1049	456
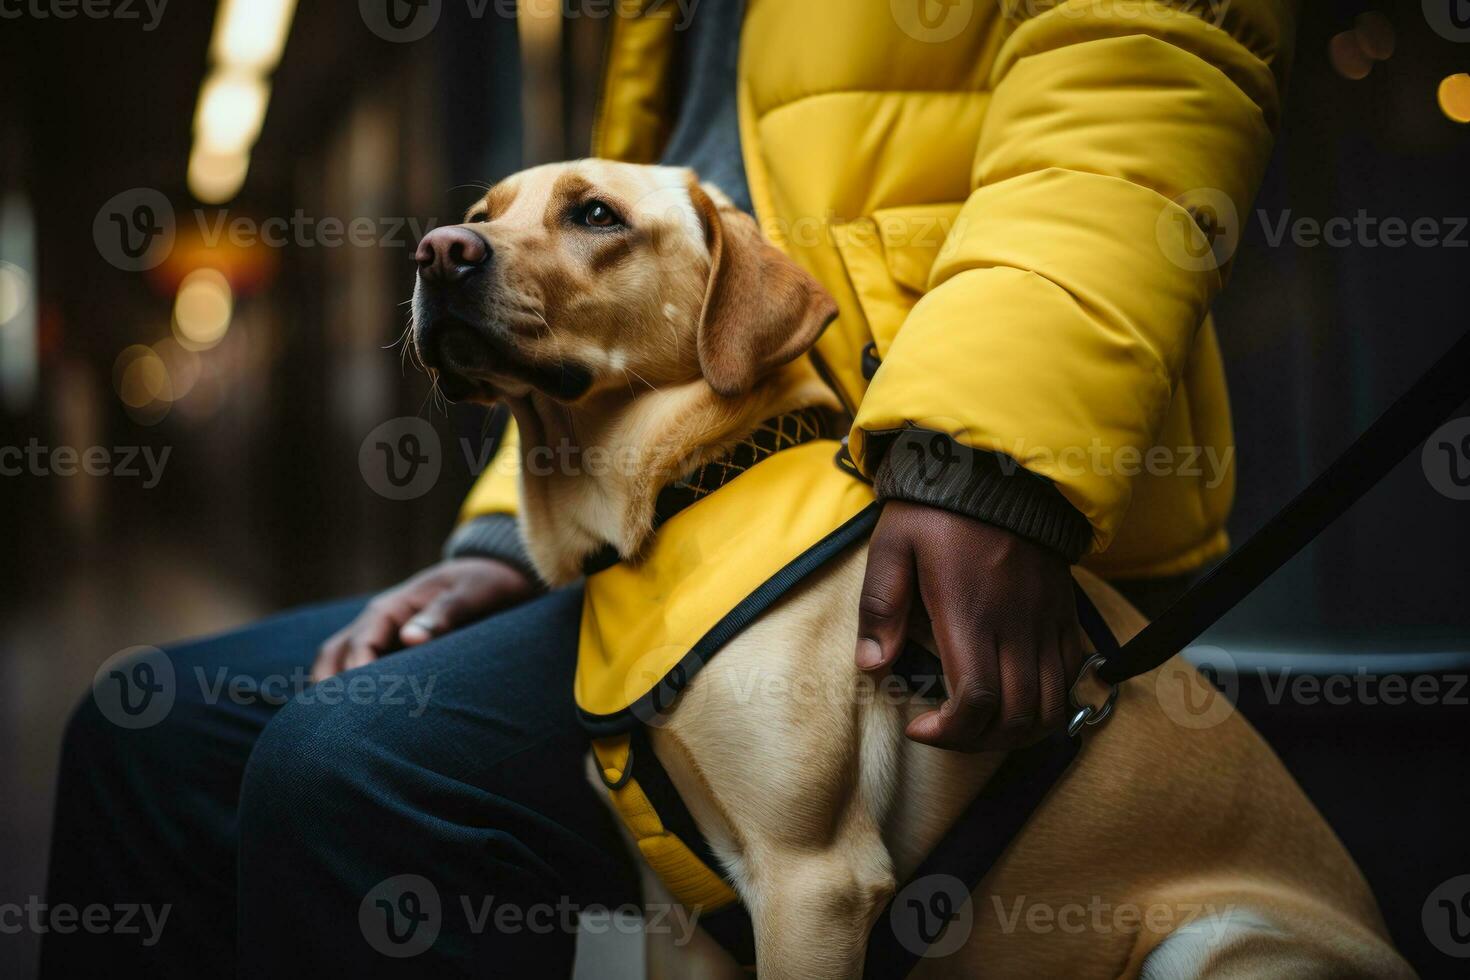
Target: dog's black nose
447	255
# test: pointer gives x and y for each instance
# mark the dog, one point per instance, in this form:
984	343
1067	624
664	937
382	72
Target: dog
633	310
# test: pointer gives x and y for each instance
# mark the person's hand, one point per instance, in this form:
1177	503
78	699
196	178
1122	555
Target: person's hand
437	600
1003	616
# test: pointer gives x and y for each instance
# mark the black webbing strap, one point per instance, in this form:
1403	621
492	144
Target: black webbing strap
967	852
1406	424
730	926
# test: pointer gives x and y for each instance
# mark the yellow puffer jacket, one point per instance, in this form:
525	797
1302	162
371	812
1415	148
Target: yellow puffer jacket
1028	206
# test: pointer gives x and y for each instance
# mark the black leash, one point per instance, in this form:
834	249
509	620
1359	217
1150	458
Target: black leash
1398	431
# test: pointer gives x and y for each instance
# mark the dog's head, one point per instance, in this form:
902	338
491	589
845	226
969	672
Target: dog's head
594	275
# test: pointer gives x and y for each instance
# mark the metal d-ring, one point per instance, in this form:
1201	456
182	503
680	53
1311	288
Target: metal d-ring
1089	714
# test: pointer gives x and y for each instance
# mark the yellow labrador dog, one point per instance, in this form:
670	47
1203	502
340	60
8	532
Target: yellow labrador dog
632	308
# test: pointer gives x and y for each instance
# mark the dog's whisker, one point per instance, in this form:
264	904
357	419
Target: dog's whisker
628	370
402	338
428	397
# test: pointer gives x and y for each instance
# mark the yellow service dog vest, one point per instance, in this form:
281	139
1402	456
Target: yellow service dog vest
712	568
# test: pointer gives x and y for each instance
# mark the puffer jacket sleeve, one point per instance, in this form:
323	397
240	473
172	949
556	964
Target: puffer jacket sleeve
1122	141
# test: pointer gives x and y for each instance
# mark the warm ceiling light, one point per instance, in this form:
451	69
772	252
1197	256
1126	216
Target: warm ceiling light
231	110
215	178
1454	97
202	309
251	34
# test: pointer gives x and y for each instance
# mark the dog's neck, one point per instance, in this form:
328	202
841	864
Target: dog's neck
591	473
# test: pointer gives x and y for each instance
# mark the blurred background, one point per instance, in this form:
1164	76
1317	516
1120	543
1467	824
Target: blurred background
207	222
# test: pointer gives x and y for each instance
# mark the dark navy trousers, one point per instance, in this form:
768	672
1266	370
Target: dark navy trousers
427	815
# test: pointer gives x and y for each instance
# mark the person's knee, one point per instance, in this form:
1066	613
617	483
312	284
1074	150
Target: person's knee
320	753
88	736
135	713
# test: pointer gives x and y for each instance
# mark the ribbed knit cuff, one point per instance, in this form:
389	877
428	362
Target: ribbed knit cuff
491	536
988	486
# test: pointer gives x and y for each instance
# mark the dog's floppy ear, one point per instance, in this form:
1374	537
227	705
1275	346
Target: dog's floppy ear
761	309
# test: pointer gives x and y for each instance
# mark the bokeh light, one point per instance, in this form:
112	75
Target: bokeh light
141	377
250	34
1348	57
182	365
15	291
1353	52
1375	35
215	178
202	309
231	111
1454	97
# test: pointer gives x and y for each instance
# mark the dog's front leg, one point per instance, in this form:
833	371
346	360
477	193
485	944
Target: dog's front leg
813	914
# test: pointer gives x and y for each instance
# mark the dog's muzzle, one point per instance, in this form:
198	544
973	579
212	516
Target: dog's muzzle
450	333
451	261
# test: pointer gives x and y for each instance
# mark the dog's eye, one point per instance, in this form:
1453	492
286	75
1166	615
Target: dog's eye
478	218
596	214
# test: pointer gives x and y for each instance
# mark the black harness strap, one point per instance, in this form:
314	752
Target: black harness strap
730	926
923	909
